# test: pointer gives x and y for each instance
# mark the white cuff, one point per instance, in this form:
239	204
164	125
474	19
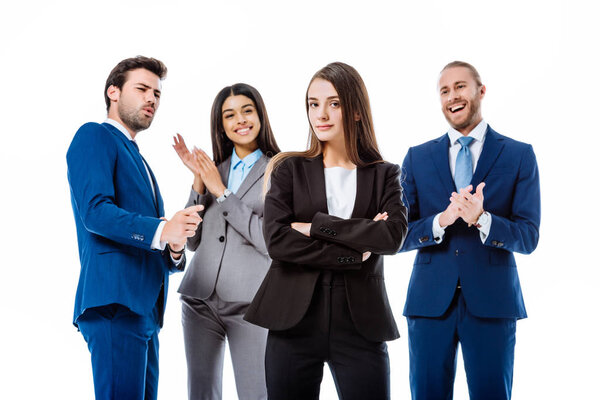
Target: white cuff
156	243
437	230
484	229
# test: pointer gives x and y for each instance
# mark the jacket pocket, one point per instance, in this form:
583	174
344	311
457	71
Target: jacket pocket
502	257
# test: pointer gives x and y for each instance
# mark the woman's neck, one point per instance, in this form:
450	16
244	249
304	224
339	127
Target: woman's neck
334	155
244	150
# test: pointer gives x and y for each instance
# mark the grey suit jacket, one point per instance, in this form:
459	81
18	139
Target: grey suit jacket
230	252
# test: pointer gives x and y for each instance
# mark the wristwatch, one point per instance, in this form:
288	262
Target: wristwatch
482	220
225	194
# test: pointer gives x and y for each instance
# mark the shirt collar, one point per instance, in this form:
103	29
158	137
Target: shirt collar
478	133
120	127
248	161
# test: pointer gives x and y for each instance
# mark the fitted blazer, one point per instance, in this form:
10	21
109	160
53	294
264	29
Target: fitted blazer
116	216
487	271
230	251
297	194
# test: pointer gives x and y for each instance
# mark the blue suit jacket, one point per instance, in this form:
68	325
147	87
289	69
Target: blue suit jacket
487	271
116	216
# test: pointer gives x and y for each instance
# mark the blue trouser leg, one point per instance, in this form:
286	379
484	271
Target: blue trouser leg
487	346
124	351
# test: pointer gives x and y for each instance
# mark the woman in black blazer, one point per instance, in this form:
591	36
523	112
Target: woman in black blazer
331	213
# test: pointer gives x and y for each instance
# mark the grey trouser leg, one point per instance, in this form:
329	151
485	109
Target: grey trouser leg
207	324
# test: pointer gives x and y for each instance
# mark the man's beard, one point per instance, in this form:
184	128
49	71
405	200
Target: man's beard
474	107
133	119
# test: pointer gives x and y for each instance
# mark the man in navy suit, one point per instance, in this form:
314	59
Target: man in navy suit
127	248
464	286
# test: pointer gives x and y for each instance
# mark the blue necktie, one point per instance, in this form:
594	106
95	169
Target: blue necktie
463	173
148	173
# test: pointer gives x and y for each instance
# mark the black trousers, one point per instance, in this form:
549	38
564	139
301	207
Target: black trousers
294	358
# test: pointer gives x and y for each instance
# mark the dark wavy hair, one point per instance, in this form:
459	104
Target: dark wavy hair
118	75
222	145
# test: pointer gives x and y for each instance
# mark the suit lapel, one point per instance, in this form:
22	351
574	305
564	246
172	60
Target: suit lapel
439	154
158	201
257	171
315	178
364	191
135	154
489	154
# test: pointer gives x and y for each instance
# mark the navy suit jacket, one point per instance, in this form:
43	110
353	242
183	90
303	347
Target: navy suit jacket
116	215
487	271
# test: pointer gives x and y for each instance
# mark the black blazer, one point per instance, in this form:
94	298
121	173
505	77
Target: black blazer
297	194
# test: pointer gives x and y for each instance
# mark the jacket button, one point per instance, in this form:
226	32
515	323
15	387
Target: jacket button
322	229
225	213
500	244
456	252
340	260
221	238
423	239
333	233
351	259
494	243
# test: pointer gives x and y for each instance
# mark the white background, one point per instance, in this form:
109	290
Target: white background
539	62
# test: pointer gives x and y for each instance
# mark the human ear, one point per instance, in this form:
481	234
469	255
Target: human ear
113	93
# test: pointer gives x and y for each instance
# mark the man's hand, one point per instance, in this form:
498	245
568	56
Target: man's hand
470	205
182	226
450	215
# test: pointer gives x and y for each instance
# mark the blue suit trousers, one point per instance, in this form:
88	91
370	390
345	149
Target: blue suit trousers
124	350
487	346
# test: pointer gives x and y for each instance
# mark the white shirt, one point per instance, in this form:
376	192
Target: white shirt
478	134
156	243
340	189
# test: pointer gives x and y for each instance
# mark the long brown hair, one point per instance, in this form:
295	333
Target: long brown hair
222	145
359	135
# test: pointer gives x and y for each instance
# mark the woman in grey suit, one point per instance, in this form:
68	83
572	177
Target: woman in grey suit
231	258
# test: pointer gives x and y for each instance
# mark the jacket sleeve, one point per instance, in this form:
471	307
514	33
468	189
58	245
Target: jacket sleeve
288	245
420	227
245	221
520	231
364	234
91	161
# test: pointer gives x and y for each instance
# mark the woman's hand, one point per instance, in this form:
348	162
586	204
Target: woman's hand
379	217
302	227
185	155
209	173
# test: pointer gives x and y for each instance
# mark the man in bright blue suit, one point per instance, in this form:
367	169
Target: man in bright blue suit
464	286
127	248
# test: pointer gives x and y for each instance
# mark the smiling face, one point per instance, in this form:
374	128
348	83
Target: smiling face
325	111
460	96
241	123
135	104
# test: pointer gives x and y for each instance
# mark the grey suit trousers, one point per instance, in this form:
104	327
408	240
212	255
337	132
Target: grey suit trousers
207	325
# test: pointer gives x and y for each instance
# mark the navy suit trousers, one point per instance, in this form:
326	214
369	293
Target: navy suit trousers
487	346
124	350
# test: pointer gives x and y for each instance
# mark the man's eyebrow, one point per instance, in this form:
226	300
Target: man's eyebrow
148	87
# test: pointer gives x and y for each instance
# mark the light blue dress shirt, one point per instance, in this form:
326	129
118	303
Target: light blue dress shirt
240	168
